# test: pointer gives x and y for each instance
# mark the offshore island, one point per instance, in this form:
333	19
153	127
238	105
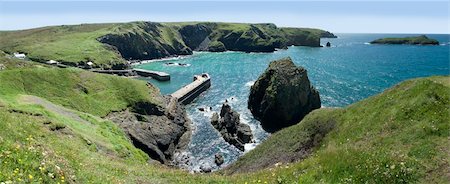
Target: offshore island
416	40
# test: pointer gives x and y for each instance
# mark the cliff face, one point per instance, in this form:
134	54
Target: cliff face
301	37
195	35
148	40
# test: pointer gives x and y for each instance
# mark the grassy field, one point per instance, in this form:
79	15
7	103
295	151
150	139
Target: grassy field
69	44
399	136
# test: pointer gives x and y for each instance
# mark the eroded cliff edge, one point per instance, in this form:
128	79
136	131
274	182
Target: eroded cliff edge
151	40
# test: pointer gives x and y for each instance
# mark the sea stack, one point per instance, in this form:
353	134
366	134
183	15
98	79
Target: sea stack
230	127
328	44
282	95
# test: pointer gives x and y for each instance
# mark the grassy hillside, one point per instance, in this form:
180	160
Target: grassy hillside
398	136
55	141
77	89
75	44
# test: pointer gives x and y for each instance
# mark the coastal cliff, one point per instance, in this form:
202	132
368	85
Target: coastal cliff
108	46
148	40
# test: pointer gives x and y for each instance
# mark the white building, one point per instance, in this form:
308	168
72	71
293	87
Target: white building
19	55
52	62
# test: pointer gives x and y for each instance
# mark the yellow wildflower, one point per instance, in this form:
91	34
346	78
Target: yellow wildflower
30	176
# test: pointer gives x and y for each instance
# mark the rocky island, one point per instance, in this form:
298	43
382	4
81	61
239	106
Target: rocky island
282	95
416	40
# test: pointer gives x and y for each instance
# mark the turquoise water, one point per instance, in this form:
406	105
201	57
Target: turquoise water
349	71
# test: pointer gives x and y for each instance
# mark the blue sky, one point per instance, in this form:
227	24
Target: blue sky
335	16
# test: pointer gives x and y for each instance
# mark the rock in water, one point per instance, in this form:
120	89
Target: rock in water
218	159
230	127
328	44
282	95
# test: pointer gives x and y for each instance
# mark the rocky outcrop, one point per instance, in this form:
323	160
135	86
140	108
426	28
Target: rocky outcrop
230	128
158	130
327	34
282	95
218	159
328	44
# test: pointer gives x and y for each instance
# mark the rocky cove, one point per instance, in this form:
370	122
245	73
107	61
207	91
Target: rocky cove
164	131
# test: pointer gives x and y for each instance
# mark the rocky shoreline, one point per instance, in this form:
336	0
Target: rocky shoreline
159	131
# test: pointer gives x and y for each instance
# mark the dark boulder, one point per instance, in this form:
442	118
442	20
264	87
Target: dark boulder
230	127
218	159
328	44
282	95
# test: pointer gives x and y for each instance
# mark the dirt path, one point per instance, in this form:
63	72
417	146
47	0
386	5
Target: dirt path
52	107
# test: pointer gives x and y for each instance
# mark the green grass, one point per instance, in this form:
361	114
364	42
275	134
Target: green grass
84	91
398	136
8	62
68	44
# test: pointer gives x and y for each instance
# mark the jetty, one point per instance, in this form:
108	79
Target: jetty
115	72
161	76
188	93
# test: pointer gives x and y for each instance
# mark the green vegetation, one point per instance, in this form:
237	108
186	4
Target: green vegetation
9	62
70	45
47	143
216	46
398	136
417	40
77	89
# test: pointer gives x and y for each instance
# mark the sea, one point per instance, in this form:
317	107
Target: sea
348	71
